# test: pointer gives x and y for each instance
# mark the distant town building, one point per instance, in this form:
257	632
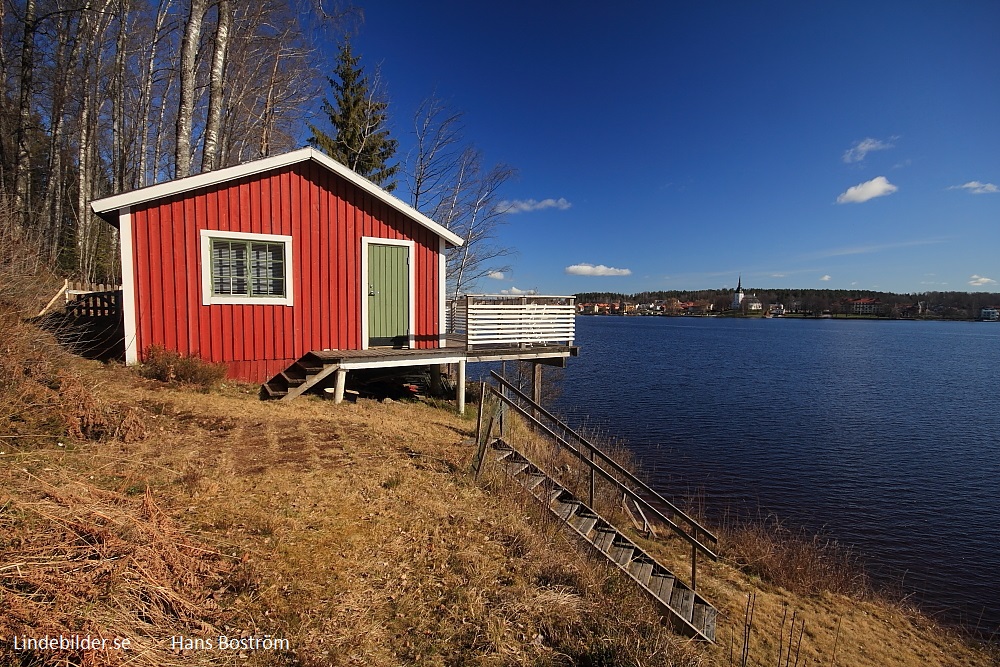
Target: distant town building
865	306
989	315
738	296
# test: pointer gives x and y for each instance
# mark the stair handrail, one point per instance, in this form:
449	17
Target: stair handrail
611	462
695	543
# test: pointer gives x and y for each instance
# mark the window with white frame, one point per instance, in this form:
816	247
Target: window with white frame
242	268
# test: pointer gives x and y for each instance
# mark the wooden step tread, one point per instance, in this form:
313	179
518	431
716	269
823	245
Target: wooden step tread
710	617
272	391
584	522
662	586
533	480
565	509
641	569
291	380
604	538
682	601
621	553
514	468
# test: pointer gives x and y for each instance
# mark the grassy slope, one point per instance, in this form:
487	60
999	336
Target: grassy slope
355	532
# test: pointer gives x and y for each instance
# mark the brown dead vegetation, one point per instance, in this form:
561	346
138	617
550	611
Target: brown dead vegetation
791	577
356	532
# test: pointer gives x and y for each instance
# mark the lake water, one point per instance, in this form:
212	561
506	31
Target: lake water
882	435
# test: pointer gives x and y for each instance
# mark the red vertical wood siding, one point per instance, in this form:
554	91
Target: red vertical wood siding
325	215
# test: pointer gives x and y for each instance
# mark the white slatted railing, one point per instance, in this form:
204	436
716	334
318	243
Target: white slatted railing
488	319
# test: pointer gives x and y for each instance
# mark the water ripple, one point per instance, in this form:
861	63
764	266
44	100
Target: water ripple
880	434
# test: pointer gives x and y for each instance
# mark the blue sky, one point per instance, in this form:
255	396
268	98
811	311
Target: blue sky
678	145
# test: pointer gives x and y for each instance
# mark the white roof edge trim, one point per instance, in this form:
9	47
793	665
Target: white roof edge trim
170	188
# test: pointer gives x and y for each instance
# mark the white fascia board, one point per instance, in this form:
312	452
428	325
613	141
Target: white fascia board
128	287
396	363
442	296
170	188
389	199
209	178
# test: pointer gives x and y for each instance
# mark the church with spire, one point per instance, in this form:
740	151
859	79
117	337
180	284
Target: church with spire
742	302
738	296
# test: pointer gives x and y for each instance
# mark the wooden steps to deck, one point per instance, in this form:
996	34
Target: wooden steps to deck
688	612
298	378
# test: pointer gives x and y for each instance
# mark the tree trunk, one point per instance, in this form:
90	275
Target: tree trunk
22	162
210	154
158	150
54	187
91	31
144	177
188	73
119	157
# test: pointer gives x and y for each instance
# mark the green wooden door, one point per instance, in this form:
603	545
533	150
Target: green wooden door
388	295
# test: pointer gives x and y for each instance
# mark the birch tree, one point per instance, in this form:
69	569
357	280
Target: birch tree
220	45
188	74
22	158
103	96
449	182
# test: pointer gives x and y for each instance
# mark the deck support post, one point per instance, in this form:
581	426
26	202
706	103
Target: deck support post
460	389
536	382
338	390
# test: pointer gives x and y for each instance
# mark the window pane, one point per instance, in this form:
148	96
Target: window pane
268	268
248	268
229	267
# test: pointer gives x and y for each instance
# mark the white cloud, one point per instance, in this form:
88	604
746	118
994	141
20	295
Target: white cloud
865	249
528	205
825	278
495	275
862	192
858	151
598	270
979	281
977	188
777	275
514	290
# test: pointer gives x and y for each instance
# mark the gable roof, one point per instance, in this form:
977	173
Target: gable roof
108	207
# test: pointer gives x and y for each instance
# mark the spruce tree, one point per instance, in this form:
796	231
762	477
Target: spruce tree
360	138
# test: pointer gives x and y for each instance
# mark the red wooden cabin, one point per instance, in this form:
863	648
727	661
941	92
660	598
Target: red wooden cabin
258	264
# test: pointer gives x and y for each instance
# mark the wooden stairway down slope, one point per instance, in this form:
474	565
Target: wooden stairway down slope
689	613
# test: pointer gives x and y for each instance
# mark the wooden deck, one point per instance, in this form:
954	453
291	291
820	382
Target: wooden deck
487	327
455	351
315	366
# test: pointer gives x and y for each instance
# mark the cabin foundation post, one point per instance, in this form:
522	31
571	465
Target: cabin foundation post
460	389
338	390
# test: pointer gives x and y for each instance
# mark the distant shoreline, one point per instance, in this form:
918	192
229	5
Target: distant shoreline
792	316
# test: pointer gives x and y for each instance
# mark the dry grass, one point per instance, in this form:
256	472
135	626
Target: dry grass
355	532
804	563
361	538
838	618
375	548
82	560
